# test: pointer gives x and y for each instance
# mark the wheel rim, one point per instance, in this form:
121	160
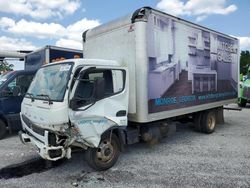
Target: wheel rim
211	122
106	152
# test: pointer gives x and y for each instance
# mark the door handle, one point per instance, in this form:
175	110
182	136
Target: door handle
121	113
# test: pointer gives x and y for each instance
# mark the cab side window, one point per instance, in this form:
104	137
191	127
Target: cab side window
113	81
108	79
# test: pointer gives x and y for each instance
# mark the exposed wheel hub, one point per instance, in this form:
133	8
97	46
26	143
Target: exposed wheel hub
105	152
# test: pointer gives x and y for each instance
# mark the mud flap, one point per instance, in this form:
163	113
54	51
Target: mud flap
220	116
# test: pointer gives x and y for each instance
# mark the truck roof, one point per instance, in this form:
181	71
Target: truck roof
137	12
25	71
141	14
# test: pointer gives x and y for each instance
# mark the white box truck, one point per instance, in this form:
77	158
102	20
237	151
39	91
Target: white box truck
139	74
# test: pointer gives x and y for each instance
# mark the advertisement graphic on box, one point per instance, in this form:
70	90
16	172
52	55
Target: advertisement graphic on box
188	65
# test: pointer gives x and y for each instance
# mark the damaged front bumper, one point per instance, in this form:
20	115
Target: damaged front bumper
47	152
45	141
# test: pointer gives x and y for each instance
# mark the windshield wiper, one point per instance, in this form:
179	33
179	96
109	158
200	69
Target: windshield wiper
46	96
31	96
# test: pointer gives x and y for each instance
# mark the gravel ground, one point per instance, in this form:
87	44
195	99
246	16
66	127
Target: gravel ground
188	159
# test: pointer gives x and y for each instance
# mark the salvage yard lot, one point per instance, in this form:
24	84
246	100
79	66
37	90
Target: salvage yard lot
187	159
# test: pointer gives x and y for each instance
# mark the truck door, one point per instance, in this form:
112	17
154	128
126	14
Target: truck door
99	101
11	98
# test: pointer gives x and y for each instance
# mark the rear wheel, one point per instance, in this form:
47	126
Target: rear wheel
208	122
2	129
106	155
242	102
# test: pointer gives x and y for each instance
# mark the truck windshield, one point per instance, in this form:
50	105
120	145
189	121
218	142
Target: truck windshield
50	81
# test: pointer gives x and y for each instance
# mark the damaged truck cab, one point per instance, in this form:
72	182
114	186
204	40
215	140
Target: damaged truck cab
77	103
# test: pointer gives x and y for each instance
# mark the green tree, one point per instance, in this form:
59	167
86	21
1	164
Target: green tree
244	61
5	66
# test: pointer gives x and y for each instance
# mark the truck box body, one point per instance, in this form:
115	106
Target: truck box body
47	54
175	67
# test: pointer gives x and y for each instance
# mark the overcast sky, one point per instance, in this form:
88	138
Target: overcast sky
31	24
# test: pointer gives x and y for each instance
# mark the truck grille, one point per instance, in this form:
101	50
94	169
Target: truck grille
32	126
246	92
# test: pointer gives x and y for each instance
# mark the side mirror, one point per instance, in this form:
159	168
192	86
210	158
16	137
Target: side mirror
73	104
76	103
99	88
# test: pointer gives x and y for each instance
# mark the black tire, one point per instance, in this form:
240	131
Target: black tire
242	102
208	122
3	129
98	159
197	122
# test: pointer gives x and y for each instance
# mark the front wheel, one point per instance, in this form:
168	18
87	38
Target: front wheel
106	155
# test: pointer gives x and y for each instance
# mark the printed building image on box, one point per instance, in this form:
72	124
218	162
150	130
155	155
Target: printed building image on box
188	66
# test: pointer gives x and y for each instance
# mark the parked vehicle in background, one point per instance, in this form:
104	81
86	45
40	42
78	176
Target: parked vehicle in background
244	92
48	54
14	84
1	76
140	74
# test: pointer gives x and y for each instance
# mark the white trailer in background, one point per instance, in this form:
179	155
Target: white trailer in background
140	74
7	55
12	54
